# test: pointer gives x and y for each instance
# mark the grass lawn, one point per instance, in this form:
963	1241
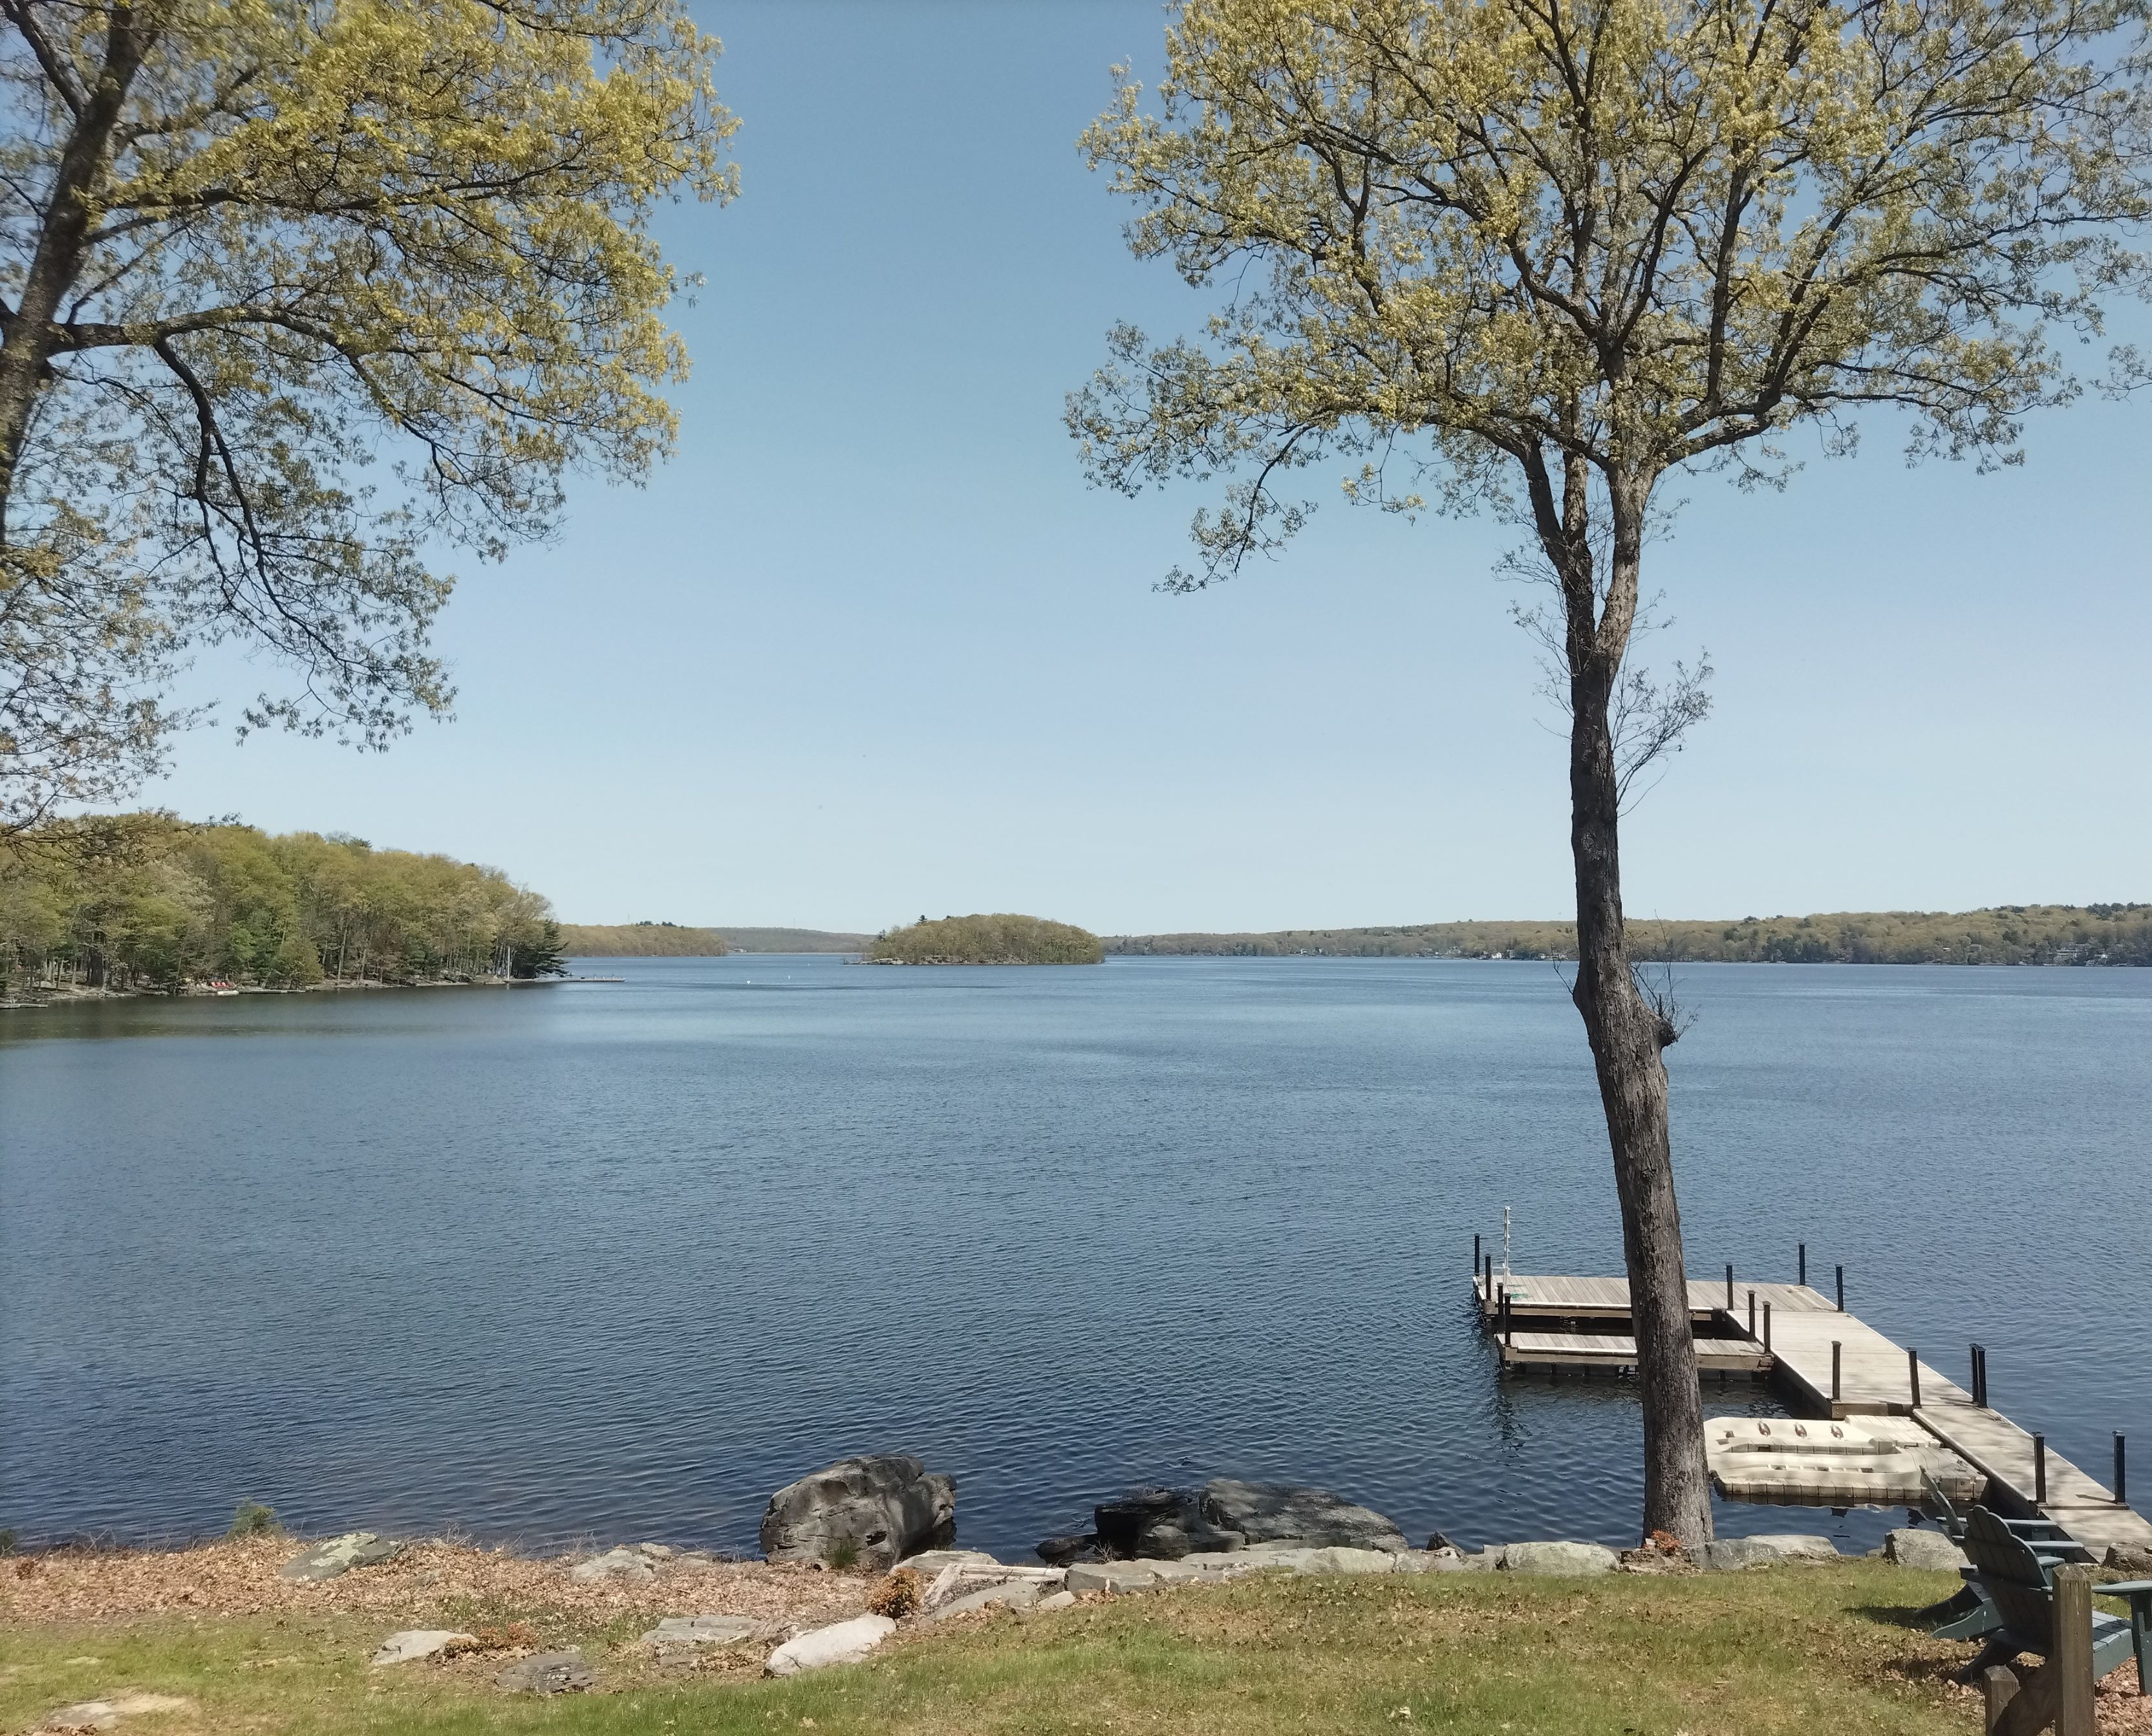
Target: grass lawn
1790	1650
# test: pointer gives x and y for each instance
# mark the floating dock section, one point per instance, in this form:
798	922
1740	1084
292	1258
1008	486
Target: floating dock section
1824	1363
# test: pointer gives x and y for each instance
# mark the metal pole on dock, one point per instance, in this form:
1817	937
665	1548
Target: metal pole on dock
1836	1347
1509	1324
1841	1290
1729	1290
1913	1374
2039	1470
1475	1254
1979	1377
1752	1313
2121	1474
1767	1328
1804	1262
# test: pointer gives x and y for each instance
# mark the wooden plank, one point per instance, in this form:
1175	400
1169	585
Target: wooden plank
1539	1296
1606	1350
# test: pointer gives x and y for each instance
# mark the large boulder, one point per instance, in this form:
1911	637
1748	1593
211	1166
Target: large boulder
1930	1552
1728	1555
1291	1513
884	1508
1559	1558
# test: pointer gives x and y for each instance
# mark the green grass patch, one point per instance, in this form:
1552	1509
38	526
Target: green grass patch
1780	1653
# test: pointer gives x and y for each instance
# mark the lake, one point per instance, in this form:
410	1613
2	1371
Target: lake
617	1260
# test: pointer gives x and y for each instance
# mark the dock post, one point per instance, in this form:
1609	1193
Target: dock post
1475	1256
1729	1290
1509	1323
1752	1313
1836	1347
1767	1328
2121	1474
1841	1290
2071	1657
1804	1262
1913	1375
1979	1379
2039	1470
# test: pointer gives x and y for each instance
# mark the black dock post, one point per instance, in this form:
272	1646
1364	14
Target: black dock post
1804	1262
1767	1328
1841	1290
1836	1347
2039	1470
2121	1475
1979	1383
1475	1256
1508	1328
1913	1374
1752	1313
1729	1290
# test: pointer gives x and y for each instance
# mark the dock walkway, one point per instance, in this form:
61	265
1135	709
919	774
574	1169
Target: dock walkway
1874	1377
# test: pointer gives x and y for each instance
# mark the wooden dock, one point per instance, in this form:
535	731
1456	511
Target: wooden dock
1826	1363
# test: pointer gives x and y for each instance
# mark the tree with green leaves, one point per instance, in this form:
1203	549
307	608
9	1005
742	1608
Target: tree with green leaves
1541	255
294	295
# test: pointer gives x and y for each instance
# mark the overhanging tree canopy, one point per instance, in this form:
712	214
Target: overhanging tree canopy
288	292
1543	252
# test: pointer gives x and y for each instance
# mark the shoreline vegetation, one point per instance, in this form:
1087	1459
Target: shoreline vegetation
2045	934
149	904
1002	938
673	940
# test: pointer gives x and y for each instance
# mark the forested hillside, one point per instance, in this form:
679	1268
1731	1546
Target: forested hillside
669	940
161	904
2006	934
997	939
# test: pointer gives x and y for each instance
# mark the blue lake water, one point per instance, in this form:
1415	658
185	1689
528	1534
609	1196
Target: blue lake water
618	1259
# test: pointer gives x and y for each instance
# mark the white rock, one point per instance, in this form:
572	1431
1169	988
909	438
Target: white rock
1015	1594
1058	1600
104	1714
1558	1558
841	1643
414	1643
700	1630
928	1563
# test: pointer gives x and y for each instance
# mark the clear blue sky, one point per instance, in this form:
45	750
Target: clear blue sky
870	648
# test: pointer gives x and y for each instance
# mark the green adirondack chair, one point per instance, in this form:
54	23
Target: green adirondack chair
1971	1613
2020	1583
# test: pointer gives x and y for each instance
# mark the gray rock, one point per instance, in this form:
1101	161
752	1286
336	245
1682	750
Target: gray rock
656	1551
632	1565
1930	1552
1122	1523
1729	1555
414	1643
106	1714
1161	1543
1060	1552
928	1563
339	1555
548	1673
885	1507
1558	1558
701	1631
1113	1575
1336	1559
1015	1594
1429	1560
840	1643
2130	1560
1289	1512
1292	1556
1056	1599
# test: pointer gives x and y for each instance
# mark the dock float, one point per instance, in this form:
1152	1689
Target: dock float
1825	1363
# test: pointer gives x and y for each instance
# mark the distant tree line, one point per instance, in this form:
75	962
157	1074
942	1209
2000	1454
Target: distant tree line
640	940
148	901
2006	934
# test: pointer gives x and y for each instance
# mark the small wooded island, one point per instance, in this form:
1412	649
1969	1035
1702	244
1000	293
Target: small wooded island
1000	939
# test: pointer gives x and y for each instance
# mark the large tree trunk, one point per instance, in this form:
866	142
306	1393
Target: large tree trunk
1626	1034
